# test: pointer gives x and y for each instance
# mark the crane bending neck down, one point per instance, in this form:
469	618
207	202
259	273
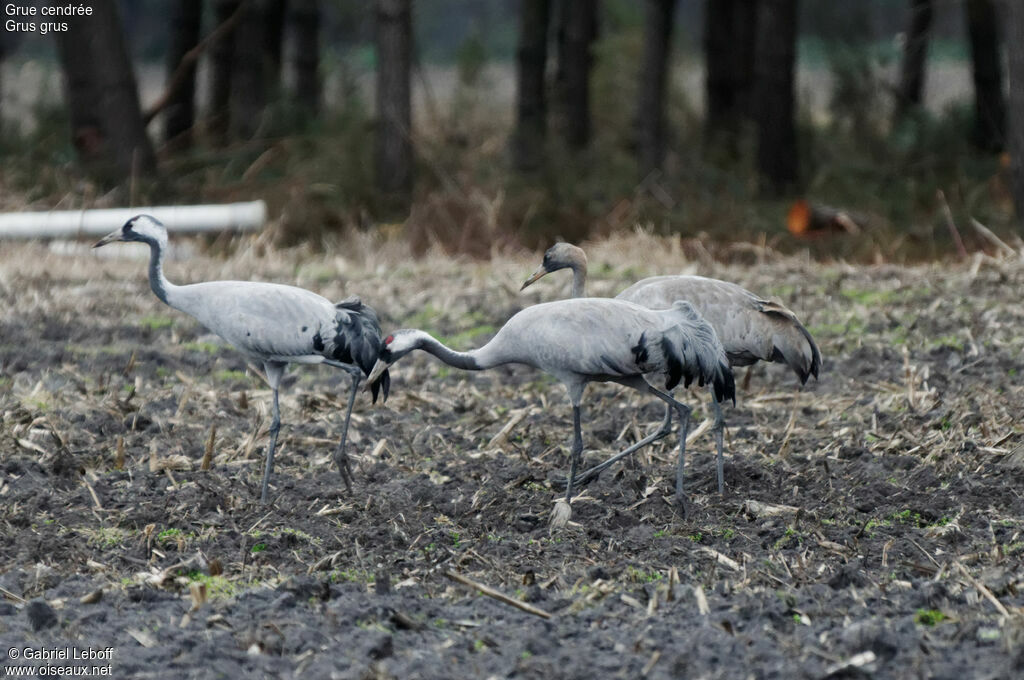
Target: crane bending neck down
400	343
596	340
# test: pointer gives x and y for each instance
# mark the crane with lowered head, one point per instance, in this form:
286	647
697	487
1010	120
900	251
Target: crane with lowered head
595	339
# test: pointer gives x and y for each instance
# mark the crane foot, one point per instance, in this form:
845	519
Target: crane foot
682	506
341	460
560	515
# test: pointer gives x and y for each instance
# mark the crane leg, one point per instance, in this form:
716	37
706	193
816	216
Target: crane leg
681	502
577	450
340	457
592	473
718	428
684	418
274	372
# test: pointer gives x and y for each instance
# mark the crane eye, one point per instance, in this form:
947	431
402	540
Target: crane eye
388	340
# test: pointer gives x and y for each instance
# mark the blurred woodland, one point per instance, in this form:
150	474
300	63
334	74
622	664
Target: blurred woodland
870	130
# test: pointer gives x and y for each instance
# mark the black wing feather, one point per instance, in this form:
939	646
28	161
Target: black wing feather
357	341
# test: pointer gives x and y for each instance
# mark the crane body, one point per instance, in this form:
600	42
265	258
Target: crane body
750	329
273	324
587	340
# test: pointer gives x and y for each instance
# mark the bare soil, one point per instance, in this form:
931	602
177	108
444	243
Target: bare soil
871	525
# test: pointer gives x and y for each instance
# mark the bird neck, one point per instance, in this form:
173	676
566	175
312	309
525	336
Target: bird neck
162	288
467	361
579	280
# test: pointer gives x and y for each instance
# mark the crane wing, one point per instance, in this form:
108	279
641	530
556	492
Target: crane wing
751	329
357	340
685	350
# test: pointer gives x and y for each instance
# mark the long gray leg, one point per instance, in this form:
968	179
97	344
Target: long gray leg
274	371
684	427
718	428
592	473
340	457
684	418
577	450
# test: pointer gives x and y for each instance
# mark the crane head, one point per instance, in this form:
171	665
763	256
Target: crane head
394	347
139	228
559	256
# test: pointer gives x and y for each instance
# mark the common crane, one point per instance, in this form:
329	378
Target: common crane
595	339
273	324
751	329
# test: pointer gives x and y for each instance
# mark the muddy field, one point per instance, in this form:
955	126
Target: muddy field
871	527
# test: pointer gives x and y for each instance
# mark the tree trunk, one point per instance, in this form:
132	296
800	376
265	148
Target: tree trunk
304	25
179	117
274	15
106	121
744	48
3	54
915	53
989	105
1015	139
776	127
730	38
650	115
577	32
531	104
394	104
249	72
719	70
222	56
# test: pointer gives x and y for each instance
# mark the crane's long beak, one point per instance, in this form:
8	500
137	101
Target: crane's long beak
109	238
541	271
378	368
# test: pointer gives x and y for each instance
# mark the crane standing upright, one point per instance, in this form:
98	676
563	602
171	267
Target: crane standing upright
751	329
273	324
582	341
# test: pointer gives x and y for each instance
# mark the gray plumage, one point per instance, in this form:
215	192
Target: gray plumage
595	339
273	324
750	329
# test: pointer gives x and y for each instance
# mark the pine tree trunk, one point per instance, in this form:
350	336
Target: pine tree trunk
222	57
179	117
720	73
650	115
744	48
304	28
577	32
730	38
777	158
274	15
3	55
915	54
531	105
249	72
989	105
1014	12
394	104
103	100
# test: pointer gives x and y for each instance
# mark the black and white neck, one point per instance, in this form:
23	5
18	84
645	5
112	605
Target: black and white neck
478	359
162	288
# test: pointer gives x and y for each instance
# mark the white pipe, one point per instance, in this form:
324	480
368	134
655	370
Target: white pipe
177	218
